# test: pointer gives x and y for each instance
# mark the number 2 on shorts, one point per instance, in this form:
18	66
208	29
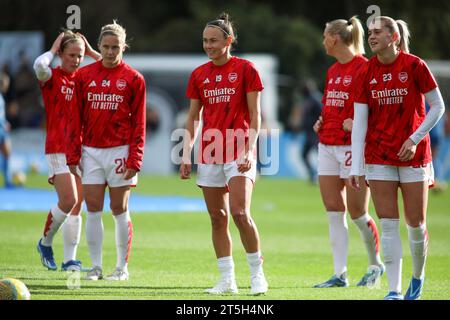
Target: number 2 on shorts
120	168
348	159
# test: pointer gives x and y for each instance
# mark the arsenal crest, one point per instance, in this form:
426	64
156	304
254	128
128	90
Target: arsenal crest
232	77
347	80
403	76
121	84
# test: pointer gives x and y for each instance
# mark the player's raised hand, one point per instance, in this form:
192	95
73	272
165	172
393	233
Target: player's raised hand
318	125
185	170
89	50
57	43
407	151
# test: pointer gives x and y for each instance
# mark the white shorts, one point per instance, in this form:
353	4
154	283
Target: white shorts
334	161
218	175
57	164
105	166
401	174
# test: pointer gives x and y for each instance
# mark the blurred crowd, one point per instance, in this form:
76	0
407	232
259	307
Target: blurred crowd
24	104
24	107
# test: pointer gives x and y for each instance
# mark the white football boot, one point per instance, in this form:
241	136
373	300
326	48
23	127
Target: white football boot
224	286
118	275
258	284
95	274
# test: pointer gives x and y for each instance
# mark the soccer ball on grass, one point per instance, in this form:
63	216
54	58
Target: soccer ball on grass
13	289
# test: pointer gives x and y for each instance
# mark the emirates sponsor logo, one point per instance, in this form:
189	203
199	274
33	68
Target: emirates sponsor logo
232	77
219	95
67	92
389	96
218	92
104	101
121	84
347	80
389	93
334	94
403	77
337	98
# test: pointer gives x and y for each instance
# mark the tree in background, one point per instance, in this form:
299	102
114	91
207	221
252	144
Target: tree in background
289	29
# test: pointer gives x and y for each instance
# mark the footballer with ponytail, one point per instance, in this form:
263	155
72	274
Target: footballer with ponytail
404	35
343	40
227	165
393	141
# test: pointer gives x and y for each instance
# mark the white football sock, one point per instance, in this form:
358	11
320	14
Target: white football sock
94	237
226	268
369	234
55	219
255	262
338	229
418	243
392	252
124	235
71	232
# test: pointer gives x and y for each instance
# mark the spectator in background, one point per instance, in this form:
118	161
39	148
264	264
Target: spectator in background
12	108
5	142
27	95
437	137
311	108
152	121
446	116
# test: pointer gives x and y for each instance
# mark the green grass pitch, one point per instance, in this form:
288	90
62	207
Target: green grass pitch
172	255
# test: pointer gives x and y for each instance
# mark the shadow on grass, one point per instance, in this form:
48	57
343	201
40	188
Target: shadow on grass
123	292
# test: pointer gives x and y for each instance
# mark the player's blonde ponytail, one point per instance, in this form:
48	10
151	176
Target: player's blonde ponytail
401	28
404	35
351	32
357	35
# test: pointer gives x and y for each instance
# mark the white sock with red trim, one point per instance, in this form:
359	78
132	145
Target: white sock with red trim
418	243
338	229
94	237
369	234
55	219
392	252
71	232
124	235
